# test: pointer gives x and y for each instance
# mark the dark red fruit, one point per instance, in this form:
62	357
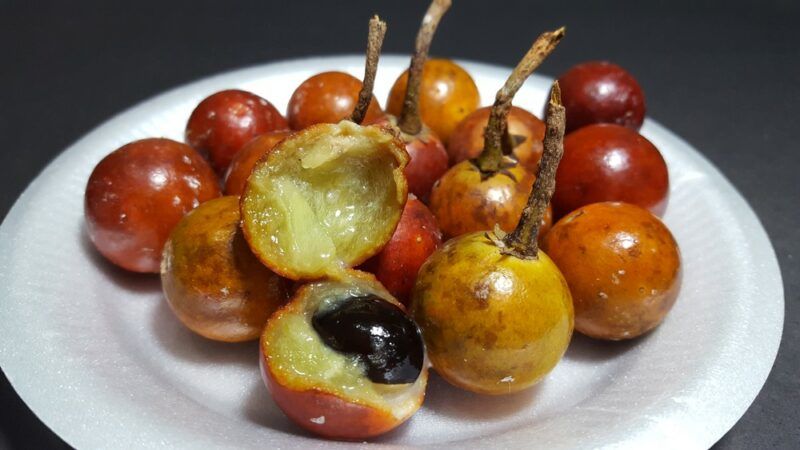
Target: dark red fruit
607	162
222	123
601	92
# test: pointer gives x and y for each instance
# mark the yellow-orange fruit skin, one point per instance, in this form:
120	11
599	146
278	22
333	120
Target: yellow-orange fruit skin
622	265
492	323
447	94
212	281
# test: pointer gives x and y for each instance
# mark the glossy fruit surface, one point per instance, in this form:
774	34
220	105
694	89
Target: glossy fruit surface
324	199
246	159
601	92
527	133
211	279
328	391
138	193
607	162
327	97
492	323
224	122
462	202
622	265
447	94
416	237
428	162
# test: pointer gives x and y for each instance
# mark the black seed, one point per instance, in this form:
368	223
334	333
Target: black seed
378	333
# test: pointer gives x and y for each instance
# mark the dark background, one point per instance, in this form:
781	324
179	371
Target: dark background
724	76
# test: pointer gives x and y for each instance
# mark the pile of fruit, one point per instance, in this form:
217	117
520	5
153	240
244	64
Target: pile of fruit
329	246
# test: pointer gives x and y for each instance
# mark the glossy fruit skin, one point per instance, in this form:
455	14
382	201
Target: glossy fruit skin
622	265
246	159
416	237
225	121
493	324
212	281
601	92
344	418
447	94
138	193
327	97
466	142
605	162
463	203
427	164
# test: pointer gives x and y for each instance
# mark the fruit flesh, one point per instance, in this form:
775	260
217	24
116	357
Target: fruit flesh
138	193
326	198
526	131
225	121
299	360
447	94
212	281
492	323
622	265
605	162
327	97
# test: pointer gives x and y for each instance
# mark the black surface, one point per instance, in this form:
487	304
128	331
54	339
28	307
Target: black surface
726	77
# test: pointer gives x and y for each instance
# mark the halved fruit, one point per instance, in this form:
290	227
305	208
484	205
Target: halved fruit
211	279
325	199
343	360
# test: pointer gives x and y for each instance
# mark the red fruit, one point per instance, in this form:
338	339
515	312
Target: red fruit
416	237
138	193
327	97
601	92
607	162
246	159
222	123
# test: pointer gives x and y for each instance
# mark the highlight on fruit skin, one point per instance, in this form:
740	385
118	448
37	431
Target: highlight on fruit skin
212	281
623	267
326	198
493	324
333	393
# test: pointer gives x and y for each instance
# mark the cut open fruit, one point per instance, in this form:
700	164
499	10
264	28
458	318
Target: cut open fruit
325	199
326	391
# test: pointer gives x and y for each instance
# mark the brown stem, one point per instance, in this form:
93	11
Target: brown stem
377	30
410	122
522	242
492	155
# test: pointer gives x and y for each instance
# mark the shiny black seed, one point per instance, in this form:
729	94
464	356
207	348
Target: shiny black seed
378	333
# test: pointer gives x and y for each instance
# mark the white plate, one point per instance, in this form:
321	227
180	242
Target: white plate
98	356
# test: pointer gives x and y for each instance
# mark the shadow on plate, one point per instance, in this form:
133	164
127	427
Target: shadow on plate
184	344
141	283
448	400
583	348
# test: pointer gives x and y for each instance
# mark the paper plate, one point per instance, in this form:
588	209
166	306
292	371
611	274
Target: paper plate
98	356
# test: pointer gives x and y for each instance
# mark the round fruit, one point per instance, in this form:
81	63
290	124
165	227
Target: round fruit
465	201
492	324
343	360
138	193
223	122
622	265
447	94
606	162
416	237
246	159
211	279
525	130
495	311
325	198
427	163
601	92
327	97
